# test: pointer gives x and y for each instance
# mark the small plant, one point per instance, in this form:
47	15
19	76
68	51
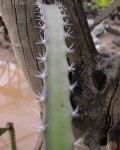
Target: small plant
10	129
102	3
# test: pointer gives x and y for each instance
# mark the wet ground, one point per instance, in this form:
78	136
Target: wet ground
17	105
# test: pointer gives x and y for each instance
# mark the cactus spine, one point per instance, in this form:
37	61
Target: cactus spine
56	126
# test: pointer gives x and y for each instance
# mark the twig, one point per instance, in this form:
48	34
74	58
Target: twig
105	13
11	131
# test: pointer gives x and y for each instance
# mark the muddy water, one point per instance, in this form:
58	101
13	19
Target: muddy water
17	105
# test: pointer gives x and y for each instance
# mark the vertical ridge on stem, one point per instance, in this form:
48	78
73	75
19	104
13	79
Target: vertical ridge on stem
58	132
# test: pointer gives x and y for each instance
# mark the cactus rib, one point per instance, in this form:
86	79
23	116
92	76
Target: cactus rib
56	125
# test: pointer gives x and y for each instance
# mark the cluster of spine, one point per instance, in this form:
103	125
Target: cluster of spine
52	20
42	58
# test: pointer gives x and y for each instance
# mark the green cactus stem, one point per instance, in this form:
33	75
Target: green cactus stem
57	114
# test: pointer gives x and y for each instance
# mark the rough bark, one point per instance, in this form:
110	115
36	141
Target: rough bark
19	18
97	92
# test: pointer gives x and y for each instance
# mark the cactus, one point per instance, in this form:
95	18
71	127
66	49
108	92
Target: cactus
56	125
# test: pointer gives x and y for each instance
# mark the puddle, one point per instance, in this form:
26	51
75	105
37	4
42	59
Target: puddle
17	105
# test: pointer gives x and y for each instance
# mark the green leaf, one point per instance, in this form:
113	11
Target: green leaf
102	3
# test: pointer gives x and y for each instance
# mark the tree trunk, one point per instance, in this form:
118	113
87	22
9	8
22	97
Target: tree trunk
19	18
98	79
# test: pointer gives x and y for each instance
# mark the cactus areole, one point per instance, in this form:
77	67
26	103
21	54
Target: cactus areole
57	114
